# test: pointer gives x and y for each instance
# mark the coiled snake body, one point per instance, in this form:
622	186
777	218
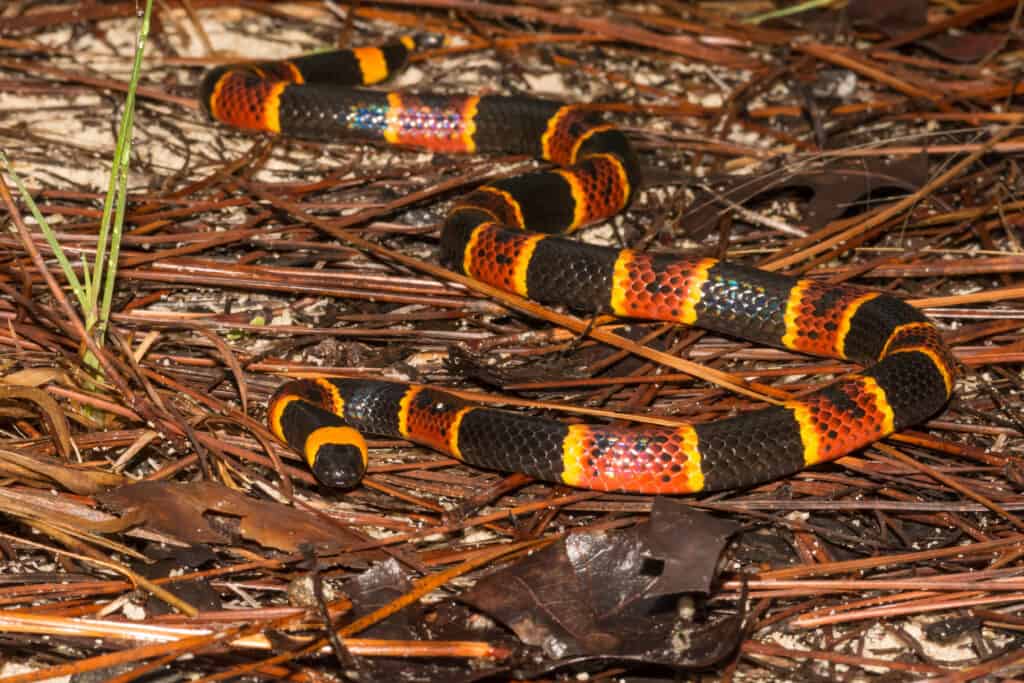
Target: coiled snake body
909	378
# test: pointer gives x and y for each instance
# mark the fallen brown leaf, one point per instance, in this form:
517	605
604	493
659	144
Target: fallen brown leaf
184	511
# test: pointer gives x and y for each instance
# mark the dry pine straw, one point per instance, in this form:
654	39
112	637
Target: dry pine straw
247	260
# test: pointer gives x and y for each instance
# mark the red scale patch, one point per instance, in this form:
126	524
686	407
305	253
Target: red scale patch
649	461
240	101
499	257
845	426
430	419
601	184
814	325
665	293
564	130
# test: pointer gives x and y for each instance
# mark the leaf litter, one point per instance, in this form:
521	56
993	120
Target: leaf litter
162	478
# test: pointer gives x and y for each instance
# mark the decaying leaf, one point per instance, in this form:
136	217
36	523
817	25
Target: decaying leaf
183	510
36	469
832	190
964	48
382	583
902	16
36	377
51	410
603	594
687	543
891	18
167	561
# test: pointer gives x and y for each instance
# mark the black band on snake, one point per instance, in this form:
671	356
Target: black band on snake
910	375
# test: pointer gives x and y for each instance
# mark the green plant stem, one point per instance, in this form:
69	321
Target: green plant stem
81	292
116	201
788	11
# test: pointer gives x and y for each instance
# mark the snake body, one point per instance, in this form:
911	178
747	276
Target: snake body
910	373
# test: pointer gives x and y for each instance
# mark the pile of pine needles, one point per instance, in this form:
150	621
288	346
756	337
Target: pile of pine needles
151	527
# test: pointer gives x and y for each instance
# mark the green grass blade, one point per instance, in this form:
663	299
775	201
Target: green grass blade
66	268
116	200
788	11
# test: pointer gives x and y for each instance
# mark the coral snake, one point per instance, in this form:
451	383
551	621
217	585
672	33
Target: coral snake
909	375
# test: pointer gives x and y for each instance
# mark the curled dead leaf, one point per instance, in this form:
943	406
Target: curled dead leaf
40	468
52	412
186	511
603	595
